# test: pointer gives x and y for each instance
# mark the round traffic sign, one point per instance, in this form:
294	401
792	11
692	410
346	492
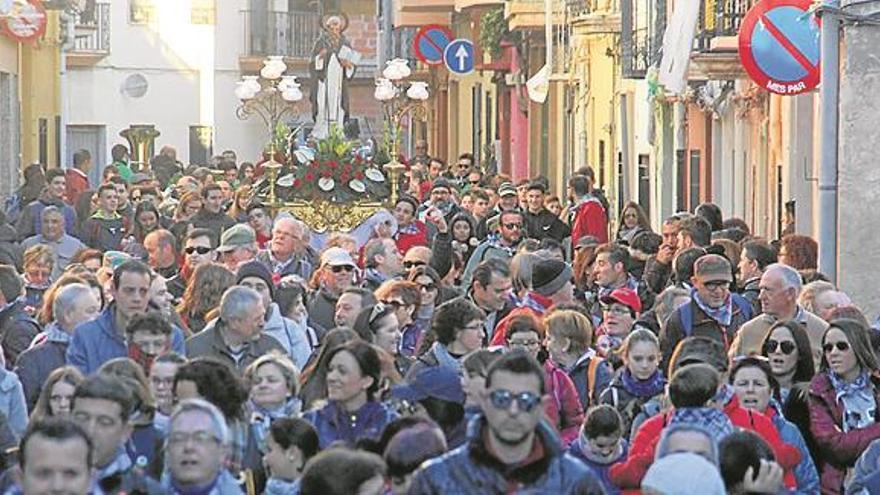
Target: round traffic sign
779	46
26	23
459	56
429	43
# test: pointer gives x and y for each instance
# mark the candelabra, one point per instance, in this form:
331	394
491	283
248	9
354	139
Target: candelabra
270	95
396	105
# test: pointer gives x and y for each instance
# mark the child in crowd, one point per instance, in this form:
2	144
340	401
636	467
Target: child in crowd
601	443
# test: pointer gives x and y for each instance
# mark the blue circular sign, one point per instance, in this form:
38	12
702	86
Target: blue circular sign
459	56
430	42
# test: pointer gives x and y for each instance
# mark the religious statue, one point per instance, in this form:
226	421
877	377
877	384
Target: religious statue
333	61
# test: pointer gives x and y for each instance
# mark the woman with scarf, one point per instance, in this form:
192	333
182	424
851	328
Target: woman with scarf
787	347
429	287
273	385
464	235
291	443
638	381
755	387
843	401
632	221
353	412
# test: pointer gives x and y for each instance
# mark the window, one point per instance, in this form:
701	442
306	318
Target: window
694	179
141	11
202	12
645	183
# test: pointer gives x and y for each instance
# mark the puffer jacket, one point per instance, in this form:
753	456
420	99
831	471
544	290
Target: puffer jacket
472	468
563	410
838	450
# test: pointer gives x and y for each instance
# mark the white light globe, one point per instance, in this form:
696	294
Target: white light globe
277	61
292	94
418	91
287	83
242	91
384	90
252	83
396	69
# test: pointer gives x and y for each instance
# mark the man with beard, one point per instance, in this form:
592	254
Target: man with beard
508	445
501	245
198	250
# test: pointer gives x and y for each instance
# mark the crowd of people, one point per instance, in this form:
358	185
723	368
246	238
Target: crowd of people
166	332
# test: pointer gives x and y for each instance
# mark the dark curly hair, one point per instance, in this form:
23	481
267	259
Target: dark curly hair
216	383
452	316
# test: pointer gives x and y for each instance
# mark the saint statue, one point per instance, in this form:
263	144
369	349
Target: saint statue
333	62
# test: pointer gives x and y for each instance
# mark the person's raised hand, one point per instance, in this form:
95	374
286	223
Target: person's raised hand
768	480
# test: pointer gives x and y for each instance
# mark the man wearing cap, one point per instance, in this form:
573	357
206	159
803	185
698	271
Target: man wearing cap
712	311
501	245
335	275
212	216
291	336
437	384
587	216
507	201
540	222
238	245
620	310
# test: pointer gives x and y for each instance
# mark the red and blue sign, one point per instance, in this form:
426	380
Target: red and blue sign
779	46
430	42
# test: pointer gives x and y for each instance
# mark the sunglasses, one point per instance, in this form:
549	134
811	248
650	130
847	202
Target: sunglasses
525	401
197	249
787	347
512	226
474	182
413	264
395	305
841	346
429	287
341	268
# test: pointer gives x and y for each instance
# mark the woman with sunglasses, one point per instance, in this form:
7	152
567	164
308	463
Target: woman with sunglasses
563	410
755	387
844	399
787	347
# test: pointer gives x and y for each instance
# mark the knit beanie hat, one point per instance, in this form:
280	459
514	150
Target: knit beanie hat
256	269
549	275
683	473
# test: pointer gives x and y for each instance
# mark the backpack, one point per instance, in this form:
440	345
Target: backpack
592	369
687	313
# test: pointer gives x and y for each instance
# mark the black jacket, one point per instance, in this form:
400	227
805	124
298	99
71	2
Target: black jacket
17	330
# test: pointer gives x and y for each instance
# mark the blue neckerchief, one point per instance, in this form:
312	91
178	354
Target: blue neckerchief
54	333
278	486
262	418
857	399
643	389
712	419
722	315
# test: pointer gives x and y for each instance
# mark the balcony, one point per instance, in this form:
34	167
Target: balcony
290	34
643	23
92	36
715	46
417	13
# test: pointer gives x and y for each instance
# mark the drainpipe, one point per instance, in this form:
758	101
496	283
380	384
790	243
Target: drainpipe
624	152
829	99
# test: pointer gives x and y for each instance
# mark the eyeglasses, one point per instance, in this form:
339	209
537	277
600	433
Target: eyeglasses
341	268
513	226
617	310
473	182
842	346
197	249
786	346
524	343
525	401
413	264
717	284
395	305
428	287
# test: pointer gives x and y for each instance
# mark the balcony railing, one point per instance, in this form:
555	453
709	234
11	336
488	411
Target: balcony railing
719	18
93	30
577	8
642	25
291	34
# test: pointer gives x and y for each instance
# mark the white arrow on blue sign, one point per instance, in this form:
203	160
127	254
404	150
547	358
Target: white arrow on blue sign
459	56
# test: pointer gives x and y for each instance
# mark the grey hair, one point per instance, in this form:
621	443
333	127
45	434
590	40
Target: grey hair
218	422
811	291
663	446
51	210
236	300
67	297
791	279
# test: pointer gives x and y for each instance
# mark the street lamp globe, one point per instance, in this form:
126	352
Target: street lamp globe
385	90
273	68
253	84
243	92
397	69
287	83
292	94
418	91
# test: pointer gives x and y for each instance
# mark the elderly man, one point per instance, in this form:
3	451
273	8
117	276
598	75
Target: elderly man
383	262
102	406
161	247
102	339
30	222
335	276
238	245
197	445
511	433
236	337
288	252
198	249
780	287
55	456
53	234
74	304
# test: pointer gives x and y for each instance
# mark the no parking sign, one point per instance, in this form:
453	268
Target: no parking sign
779	46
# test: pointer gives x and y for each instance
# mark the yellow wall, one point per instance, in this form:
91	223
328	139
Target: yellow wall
39	90
602	110
8	56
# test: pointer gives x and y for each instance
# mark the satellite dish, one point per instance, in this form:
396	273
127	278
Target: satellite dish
135	86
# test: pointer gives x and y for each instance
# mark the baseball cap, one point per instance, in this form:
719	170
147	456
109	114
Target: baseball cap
440	182
236	236
624	296
506	189
438	382
713	267
336	256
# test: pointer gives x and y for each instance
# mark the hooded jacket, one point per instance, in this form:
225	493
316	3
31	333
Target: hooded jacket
98	341
290	335
472	468
838	450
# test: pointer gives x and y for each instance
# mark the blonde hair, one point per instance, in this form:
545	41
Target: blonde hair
572	325
39	254
282	362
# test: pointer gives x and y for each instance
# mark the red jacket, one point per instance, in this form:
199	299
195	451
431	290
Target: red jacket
588	218
407	240
629	473
563	410
837	450
77	182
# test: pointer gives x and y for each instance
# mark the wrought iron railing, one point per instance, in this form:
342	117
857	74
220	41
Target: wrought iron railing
719	18
642	25
577	8
291	34
93	30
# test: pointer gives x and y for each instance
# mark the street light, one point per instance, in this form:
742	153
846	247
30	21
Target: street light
271	95
397	104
